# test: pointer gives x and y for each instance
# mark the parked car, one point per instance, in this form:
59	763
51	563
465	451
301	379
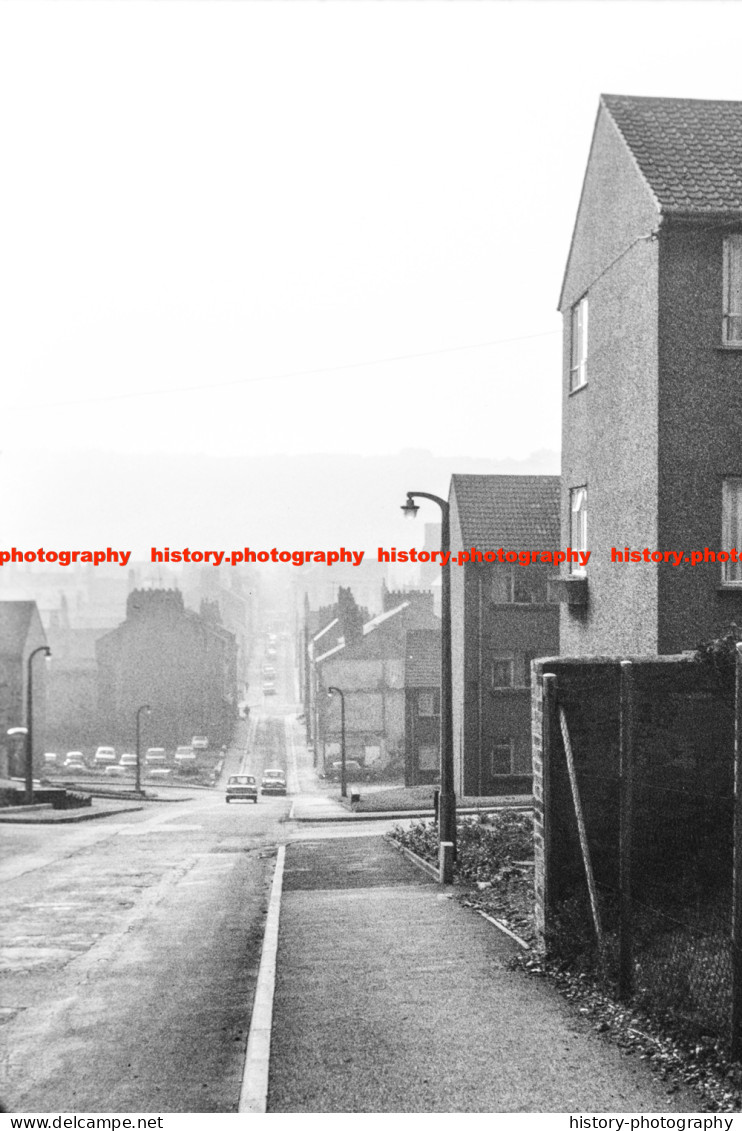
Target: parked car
200	742
159	772
74	760
114	771
274	781
128	761
104	756
155	756
269	687
185	760
51	759
242	787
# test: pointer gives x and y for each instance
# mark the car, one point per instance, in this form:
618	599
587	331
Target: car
51	759
200	742
114	771
159	772
74	758
104	756
269	672
269	687
185	760
128	761
242	787
274	781
155	756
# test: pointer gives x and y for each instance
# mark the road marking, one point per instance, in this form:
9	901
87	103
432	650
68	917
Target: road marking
254	1093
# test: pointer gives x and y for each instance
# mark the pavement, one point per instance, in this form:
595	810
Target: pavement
390	996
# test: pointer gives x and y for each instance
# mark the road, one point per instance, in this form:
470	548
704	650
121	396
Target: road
131	945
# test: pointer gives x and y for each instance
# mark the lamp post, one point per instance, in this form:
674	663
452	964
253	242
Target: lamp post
145	707
343	777
29	720
447	798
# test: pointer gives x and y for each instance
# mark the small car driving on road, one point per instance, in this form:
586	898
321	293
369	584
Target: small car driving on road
274	781
242	787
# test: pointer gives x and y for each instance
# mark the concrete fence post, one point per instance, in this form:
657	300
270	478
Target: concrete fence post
626	829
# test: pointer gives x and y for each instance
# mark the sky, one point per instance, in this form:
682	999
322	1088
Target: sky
264	228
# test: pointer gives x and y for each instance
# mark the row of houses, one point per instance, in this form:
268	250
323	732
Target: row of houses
388	665
184	664
651	483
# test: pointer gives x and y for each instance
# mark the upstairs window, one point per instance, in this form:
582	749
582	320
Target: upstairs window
731	529
578	363
578	526
732	325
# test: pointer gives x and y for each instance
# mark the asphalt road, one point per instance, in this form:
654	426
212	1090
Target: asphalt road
130	945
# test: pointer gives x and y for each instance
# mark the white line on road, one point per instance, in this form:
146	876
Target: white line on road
254	1094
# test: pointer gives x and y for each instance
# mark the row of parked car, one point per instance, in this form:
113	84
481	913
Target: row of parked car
155	761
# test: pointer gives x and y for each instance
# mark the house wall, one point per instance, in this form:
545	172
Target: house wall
609	426
459	657
700	408
420	730
490	716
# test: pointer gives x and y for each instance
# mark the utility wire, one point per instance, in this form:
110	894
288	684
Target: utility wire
275	376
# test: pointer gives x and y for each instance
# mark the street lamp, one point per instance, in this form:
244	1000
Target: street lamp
145	707
29	720
447	797
343	776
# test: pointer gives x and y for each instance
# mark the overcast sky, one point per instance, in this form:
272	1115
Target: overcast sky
220	194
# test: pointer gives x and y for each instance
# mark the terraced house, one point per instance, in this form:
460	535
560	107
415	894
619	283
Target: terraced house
652	379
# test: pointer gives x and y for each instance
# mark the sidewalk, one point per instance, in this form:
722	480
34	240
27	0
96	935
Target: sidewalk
391	997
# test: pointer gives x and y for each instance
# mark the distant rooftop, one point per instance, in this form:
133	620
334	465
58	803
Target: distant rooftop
423	658
517	512
689	150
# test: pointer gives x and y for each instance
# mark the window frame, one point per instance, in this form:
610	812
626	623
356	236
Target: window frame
578	345
732	256
575	568
729	522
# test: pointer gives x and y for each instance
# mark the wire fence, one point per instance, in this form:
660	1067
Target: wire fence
652	752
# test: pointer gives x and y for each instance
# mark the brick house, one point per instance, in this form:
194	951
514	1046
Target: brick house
422	687
652	378
183	664
501	619
367	663
21	633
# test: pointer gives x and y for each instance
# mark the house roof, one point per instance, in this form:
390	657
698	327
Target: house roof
689	150
15	622
515	512
423	658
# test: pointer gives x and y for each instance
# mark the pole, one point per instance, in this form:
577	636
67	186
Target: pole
343	768
146	708
447	800
626	823
736	1018
29	721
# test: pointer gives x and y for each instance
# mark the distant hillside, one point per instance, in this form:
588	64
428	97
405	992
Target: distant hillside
292	502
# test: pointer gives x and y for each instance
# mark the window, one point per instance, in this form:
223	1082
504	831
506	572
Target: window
578	363
502	671
578	526
732	324
501	592
428	703
731	528
502	757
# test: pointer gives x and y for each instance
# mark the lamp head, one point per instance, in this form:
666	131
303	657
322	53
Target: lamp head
410	509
